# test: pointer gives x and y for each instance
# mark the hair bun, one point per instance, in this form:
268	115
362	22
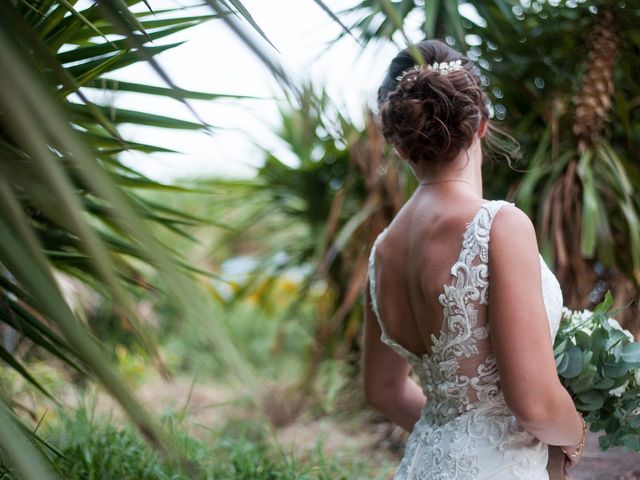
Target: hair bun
429	115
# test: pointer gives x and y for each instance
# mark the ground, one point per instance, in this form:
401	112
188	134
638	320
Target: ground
210	405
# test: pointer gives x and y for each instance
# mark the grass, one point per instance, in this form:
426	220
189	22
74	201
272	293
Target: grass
96	449
92	446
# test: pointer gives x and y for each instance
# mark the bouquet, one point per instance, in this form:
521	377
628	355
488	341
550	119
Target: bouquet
599	364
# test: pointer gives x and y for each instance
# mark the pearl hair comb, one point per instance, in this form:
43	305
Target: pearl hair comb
443	67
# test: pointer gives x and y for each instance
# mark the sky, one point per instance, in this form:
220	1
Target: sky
213	59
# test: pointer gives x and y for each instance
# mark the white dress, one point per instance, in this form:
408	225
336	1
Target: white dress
466	431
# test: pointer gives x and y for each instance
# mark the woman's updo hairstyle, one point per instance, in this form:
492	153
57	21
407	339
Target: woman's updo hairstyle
430	116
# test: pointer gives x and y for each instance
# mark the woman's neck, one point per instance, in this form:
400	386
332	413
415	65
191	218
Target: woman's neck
465	171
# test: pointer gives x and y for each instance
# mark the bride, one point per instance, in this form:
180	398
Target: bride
473	319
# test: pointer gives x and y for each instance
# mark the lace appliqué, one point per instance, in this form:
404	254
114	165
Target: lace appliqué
470	285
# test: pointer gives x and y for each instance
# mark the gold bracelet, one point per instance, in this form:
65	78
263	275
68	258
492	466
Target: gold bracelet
581	446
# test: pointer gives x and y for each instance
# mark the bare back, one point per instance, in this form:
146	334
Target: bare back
413	262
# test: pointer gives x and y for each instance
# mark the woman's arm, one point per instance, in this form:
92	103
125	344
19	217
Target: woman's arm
387	385
520	333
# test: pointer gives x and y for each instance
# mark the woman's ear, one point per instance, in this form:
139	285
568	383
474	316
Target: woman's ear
482	128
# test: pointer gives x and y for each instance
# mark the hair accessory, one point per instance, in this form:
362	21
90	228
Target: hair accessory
442	67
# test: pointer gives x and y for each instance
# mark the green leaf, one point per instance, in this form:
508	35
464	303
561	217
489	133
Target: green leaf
586	359
599	339
17	449
631	353
560	346
85	53
590	400
618	369
90	70
81	114
590	206
575	362
615	341
604	384
562	362
584	381
431	17
247	16
117	85
38	332
583	340
632	442
605	305
17	366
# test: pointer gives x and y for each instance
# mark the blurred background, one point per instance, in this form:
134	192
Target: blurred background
188	196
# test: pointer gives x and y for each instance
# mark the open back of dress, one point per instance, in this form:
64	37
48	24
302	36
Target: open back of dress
466	429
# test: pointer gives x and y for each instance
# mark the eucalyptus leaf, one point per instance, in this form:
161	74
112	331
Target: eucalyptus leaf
605	383
562	361
605	305
574	366
632	442
631	353
560	346
583	340
617	369
583	382
586	359
590	400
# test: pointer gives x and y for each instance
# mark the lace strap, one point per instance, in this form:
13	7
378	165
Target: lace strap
386	339
476	235
469	282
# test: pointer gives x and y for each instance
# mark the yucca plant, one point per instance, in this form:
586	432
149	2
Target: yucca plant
69	205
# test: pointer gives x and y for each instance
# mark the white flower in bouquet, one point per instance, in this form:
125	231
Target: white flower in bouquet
578	317
636	376
617	392
615	324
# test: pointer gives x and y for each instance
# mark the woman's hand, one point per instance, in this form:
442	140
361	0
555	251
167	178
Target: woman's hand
573	453
569	462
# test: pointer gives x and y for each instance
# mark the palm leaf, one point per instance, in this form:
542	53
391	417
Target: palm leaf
16	448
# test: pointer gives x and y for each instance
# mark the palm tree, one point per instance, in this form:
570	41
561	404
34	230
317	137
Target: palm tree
70	205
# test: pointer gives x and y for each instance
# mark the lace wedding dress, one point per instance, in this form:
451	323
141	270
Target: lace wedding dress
466	431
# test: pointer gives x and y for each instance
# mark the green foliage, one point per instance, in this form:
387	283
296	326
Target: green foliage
68	203
65	202
600	367
95	448
382	19
271	343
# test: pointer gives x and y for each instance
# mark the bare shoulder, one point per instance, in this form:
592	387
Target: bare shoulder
511	217
513	249
512	227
